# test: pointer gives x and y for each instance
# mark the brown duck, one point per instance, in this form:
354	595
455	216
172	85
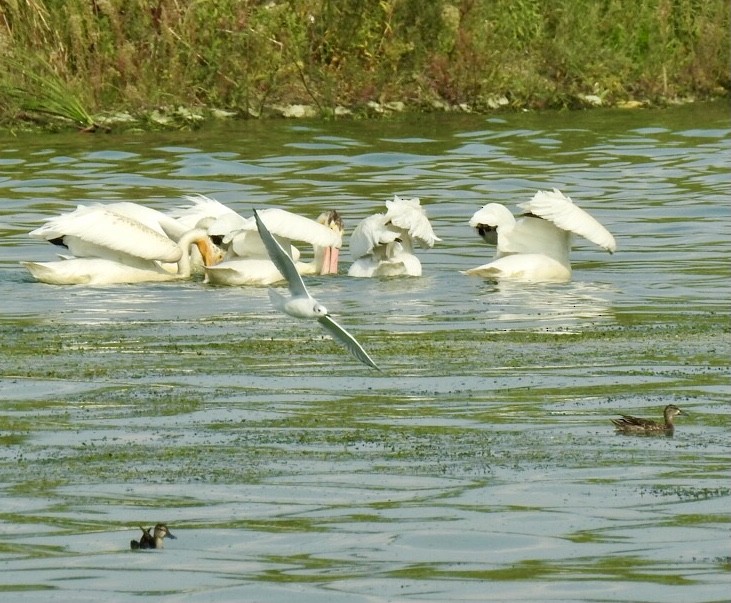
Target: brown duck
629	424
154	540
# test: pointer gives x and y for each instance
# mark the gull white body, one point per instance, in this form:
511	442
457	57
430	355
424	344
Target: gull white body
382	244
301	304
535	247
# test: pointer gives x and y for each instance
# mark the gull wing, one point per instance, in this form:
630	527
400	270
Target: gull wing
281	260
347	340
556	207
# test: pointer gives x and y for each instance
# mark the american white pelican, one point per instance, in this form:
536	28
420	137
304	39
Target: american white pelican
109	246
536	246
248	262
382	244
301	304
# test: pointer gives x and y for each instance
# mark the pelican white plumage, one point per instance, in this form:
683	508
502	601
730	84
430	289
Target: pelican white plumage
249	263
536	246
301	304
119	243
206	210
382	244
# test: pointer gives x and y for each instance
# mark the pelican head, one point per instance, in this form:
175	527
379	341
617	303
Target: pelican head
490	219
330	255
212	254
332	220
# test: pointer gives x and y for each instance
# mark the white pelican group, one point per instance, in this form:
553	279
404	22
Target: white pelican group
130	243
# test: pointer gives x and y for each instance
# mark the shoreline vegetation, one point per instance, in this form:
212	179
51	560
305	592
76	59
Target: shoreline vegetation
162	64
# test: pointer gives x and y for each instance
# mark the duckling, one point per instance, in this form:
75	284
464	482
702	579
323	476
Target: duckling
154	540
629	424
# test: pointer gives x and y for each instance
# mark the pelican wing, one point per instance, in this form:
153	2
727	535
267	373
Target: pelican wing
347	340
111	230
286	225
200	207
152	218
281	259
409	216
370	233
246	244
556	207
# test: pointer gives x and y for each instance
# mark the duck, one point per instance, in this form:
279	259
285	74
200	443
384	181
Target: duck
535	247
382	245
120	243
630	424
154	540
247	261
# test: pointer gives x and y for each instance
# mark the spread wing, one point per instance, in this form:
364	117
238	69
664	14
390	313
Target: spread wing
111	230
369	234
347	340
409	216
556	207
281	260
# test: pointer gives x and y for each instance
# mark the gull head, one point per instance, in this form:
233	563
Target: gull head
319	310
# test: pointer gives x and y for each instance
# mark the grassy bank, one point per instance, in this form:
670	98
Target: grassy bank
80	58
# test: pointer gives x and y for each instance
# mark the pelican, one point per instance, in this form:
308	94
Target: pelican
536	246
301	304
111	245
382	244
249	263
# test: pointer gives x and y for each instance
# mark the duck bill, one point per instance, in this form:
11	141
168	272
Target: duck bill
330	261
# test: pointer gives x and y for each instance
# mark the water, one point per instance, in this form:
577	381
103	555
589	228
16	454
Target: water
481	465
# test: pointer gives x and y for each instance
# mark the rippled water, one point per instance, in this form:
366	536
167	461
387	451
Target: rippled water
481	465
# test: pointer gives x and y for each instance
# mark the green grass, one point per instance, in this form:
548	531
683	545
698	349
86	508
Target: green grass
79	58
36	89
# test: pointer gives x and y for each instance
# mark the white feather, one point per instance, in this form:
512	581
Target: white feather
382	244
556	207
